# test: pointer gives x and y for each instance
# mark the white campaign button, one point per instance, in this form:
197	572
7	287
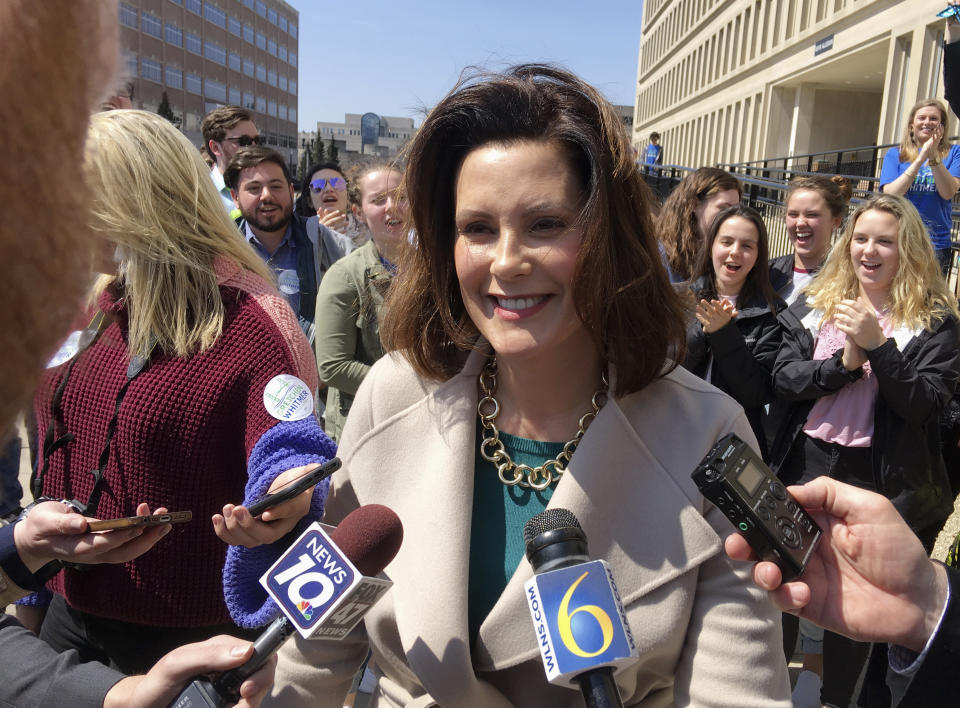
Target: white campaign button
66	351
287	398
288	282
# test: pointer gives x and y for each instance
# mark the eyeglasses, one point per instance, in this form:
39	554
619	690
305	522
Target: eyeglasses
247	140
337	183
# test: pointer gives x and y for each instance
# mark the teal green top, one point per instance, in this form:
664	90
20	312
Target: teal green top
499	515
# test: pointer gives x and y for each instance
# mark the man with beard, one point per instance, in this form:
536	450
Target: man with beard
262	189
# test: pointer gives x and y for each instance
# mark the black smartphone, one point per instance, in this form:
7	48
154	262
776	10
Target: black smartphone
741	485
295	487
175	517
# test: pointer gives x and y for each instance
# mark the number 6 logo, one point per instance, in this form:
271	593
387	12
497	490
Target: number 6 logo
565	618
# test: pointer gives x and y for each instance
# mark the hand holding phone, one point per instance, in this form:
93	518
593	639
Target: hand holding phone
295	487
176	517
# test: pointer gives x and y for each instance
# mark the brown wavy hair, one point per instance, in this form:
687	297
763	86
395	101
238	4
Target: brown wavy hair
678	230
620	289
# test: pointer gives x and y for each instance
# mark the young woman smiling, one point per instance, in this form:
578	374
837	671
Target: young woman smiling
925	168
350	296
869	358
733	342
532	330
814	209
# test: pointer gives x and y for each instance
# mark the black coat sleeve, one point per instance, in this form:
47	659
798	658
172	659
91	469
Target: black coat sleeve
698	352
747	368
935	681
918	388
797	377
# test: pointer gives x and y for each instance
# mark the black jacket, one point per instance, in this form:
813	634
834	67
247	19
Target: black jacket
781	272
913	388
951	75
935	682
743	352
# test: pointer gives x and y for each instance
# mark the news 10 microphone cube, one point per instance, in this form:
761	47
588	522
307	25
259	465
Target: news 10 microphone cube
319	590
579	621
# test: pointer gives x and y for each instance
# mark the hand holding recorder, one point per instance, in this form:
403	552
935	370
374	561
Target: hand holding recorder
869	579
53	531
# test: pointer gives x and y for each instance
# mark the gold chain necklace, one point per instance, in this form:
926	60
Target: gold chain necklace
492	449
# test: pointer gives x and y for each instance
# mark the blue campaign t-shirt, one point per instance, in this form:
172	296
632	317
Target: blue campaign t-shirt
934	209
654	155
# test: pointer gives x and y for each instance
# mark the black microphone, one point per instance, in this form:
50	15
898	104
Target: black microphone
370	538
556	547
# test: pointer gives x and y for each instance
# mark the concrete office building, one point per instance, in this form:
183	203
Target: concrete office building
207	53
736	80
366	134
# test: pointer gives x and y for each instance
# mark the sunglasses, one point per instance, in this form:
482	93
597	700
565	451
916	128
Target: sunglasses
337	183
247	141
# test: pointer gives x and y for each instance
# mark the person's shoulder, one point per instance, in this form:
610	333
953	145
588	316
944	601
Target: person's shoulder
679	393
393	385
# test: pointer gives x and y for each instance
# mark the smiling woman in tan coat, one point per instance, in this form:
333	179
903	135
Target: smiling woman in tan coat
534	317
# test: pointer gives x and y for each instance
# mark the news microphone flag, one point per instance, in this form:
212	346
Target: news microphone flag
317	587
579	621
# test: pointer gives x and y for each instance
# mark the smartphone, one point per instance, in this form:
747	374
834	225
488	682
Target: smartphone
176	517
295	487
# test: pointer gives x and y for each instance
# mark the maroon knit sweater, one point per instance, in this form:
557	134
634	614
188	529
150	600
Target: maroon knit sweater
184	433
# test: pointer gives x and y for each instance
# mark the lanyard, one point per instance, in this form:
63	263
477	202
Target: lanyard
57	435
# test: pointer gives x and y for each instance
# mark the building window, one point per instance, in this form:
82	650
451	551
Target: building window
272	16
177	2
282	111
194	44
215	15
282	52
194	85
272	108
292	58
215	90
194	6
151	70
236	61
174	77
248	100
271	47
261	8
174	35
283	23
292	115
215	53
293	86
261	72
261	41
283	82
236	29
128	16
261	104
131	61
234	96
150	24
248	4
248	33
248	67
293	30
272	78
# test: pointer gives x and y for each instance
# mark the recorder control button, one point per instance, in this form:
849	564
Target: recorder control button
788	532
778	491
762	512
793	507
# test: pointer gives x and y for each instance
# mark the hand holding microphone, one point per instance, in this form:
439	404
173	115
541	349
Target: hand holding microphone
324	584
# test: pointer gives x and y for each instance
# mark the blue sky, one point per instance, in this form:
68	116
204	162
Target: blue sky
393	58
